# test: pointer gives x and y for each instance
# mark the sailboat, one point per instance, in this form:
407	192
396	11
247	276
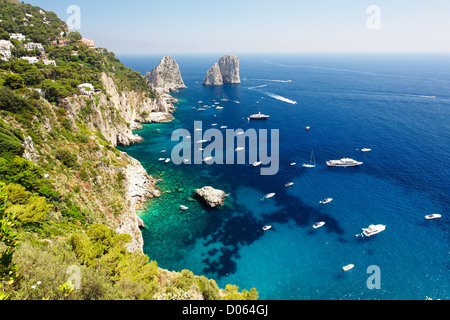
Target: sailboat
312	162
225	98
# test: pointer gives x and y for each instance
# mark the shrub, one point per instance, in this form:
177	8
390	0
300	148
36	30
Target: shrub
67	158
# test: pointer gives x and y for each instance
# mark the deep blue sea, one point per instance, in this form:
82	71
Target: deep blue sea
397	105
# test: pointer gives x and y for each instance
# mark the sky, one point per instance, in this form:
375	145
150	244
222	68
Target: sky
260	26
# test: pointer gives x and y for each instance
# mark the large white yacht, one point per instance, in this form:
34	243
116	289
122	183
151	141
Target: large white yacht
344	162
373	230
259	116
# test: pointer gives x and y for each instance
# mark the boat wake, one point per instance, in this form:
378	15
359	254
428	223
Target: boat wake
269	80
272	95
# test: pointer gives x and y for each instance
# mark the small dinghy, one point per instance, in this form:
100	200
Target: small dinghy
326	201
348	268
265	228
318	225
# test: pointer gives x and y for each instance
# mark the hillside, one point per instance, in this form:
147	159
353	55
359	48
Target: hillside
68	197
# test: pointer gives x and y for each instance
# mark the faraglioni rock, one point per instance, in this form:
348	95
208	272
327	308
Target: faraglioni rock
226	71
212	197
166	77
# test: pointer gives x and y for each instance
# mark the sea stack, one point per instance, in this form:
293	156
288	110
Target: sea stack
226	71
212	197
166	77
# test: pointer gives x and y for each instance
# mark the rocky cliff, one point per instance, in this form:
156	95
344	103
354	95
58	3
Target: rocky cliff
166	77
226	71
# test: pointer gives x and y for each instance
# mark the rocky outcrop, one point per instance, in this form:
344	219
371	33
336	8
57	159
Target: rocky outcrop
30	153
139	187
213	76
212	197
226	71
166	77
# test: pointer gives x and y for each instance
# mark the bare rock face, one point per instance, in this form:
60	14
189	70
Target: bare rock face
212	197
213	76
226	71
166	77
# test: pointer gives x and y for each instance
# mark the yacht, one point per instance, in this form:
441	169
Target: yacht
240	149
349	267
201	109
308	128
373	230
259	116
208	159
167	160
219	108
257	164
326	201
270	195
290	184
223	127
366	150
265	228
312	162
433	216
225	98
184	208
289	81
318	225
344	162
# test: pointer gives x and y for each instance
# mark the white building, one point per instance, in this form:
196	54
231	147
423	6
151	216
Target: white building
31	59
17	36
6	45
49	62
5	55
32	46
86	88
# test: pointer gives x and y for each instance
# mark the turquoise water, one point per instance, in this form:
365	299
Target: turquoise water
399	106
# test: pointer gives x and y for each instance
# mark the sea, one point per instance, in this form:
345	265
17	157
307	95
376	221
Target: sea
398	105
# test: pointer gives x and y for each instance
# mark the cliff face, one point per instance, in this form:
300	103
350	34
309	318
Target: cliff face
166	77
226	71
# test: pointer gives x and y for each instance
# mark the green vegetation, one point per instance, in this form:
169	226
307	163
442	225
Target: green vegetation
65	204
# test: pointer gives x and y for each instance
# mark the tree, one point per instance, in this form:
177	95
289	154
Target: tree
10	239
13	81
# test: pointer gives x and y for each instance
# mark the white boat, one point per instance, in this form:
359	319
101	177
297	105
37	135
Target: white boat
214	125
225	98
259	116
186	161
326	201
312	162
219	108
373	230
240	133
348	268
366	150
257	164
293	164
202	141
208	159
290	184
201	109
167	160
289	81
184	208
223	127
161	159
269	195
433	216
344	162
238	102
198	129
308	128
318	225
265	228
239	149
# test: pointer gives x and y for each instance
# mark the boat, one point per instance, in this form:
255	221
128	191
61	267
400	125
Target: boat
184	208
373	230
318	225
161	159
238	102
289	81
290	184
312	162
239	149
366	150
308	128
257	164
344	162
433	216
240	133
269	195
259	116
214	125
202	141
208	159
326	201
293	164
219	108
348	268
225	98
167	160
201	109
265	228
223	127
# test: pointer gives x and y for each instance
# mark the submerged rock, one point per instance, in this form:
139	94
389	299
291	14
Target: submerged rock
226	71
212	197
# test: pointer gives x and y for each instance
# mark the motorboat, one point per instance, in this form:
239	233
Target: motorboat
366	150
239	149
289	81
265	228
219	108
202	141
373	230
326	201
257	164
225	98
293	164
290	184
348	268
201	109
167	160
269	195
162	159
318	225
308	128
223	127
184	208
259	116
433	216
208	159
312	162
344	162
